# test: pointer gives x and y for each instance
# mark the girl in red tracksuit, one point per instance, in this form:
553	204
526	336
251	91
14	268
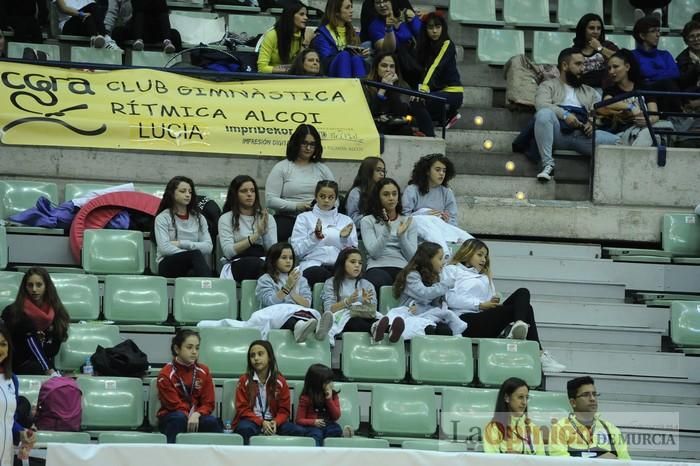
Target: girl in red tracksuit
319	406
262	397
186	390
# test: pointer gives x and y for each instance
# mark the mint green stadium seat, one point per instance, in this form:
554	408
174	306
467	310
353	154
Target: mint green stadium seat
497	46
113	252
685	323
76	190
80	295
680	12
249	303
19	195
294	359
474	12
204	299
528	13
156	190
316	301
434	445
111	402
465	412
152	59
500	359
386	299
207	438
403	410
217	195
131	437
16	49
623	41
225	349
47	436
29	386
82	343
9	286
228	399
547	408
153	403
569	12
281	441
4	249
362	361
547	45
674	44
102	56
622	15
252	25
680	234
355	442
442	360
135	299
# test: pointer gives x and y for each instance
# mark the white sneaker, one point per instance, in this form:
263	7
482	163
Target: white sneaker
348	432
112	45
518	331
324	325
546	174
137	46
658	12
638	14
303	329
97	41
549	364
168	46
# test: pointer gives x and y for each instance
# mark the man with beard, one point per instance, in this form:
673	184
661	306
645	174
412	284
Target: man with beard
562	120
583	433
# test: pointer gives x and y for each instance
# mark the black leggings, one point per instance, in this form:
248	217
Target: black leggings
247	268
86	26
183	264
381	276
285	225
492	322
318	274
358	324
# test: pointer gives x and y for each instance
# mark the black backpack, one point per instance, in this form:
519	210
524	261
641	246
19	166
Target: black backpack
123	360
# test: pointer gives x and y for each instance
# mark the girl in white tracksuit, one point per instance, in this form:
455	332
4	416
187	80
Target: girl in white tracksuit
320	234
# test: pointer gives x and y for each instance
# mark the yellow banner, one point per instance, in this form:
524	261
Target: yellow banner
156	110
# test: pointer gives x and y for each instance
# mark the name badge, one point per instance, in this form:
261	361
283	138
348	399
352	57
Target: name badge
588	454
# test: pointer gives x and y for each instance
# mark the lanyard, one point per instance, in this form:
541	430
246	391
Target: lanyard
527	439
580	434
188	393
263	407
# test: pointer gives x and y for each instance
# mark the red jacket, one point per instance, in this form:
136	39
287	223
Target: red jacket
306	414
278	401
173	397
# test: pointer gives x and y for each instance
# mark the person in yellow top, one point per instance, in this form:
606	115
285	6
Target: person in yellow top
583	433
281	44
510	430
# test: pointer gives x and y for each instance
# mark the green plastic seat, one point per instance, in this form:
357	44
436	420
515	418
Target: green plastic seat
76	190
680	234
113	252
355	442
134	299
82	343
9	286
281	441
294	359
225	349
207	438
623	41
131	437
29	386
316	301
403	410
111	402
228	400
19	195
153	403
500	359
442	360
528	13
547	45
204	299
685	323
4	249
102	56
673	44
497	46
16	49
622	15
546	408
465	412
386	299
434	445
217	195
152	59
80	295
362	361
47	436
249	303
680	12
474	12
569	12
252	25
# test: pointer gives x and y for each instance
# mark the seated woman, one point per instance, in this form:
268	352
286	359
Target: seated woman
625	118
689	59
289	188
391	110
590	40
38	323
338	44
372	169
306	63
281	44
84	18
246	230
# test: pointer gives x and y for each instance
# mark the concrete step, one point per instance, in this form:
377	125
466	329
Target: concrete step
636	414
613	338
557	290
614	362
473	140
477	96
637	389
493	117
544	249
478	74
562	269
602	314
570	168
505	185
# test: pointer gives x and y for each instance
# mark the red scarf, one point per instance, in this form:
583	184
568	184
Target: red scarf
42	317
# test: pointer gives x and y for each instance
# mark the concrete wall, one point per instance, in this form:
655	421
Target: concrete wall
64	165
631	176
